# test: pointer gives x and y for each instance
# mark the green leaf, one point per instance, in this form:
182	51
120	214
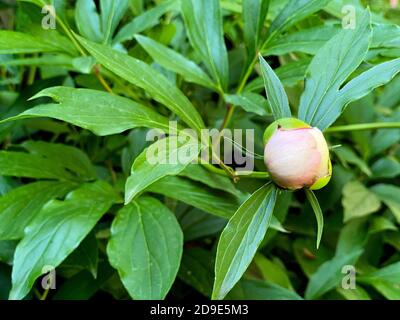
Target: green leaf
346	154
232	6
384	139
309	41
146	248
112	12
352	115
357	293
82	286
358	201
329	275
6	185
356	89
389	195
60	60
142	75
294	11
241	237
55	232
254	15
20	206
276	94
137	6
389	274
329	68
273	271
197	270
277	225
250	102
388	290
163	158
87	20
99	191
29	21
195	194
18	42
312	199
261	290
144	21
204	27
58	4
97	111
387	98
385	35
85	257
198	173
83	64
335	8
380	224
352	237
7	249
388	167
290	74
71	158
293	72
308	256
197	224
364	84
175	62
22	164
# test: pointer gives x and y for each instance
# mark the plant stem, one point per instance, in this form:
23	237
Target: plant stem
216	170
228	116
231	108
112	172
70	35
253	174
31	75
82	52
247	74
242	83
364	126
249	174
96	71
228	170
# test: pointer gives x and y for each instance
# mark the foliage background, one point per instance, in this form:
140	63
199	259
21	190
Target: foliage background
43	159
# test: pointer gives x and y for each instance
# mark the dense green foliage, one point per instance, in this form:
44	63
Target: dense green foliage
79	193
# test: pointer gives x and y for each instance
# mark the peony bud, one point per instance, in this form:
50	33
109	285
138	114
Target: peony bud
296	155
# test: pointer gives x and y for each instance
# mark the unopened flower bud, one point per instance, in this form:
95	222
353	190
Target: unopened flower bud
296	155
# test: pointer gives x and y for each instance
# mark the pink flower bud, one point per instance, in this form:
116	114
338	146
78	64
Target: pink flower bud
296	155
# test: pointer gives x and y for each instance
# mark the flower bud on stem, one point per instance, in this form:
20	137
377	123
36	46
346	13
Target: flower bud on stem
296	155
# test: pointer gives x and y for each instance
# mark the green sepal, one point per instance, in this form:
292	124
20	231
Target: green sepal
323	181
284	123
